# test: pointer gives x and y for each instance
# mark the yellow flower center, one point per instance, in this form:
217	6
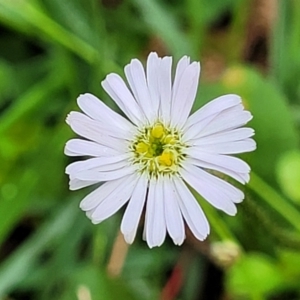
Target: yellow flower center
158	150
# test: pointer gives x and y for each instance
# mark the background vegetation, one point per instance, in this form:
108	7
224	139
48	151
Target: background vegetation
53	50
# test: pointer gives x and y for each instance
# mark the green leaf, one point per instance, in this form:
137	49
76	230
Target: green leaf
254	276
289	263
274	129
288	174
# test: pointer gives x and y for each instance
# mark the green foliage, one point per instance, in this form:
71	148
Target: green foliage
254	277
288	172
272	119
52	51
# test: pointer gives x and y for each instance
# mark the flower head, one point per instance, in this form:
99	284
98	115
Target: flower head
151	157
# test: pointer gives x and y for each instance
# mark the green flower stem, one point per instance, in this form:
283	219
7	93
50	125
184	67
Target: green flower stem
276	201
219	226
283	236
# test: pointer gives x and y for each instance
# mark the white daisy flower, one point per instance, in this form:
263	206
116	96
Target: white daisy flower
150	159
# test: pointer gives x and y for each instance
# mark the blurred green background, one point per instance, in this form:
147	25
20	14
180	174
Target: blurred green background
53	50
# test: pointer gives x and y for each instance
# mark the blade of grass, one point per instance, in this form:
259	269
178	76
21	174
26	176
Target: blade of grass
34	96
275	200
195	11
20	263
12	208
23	13
163	24
278	44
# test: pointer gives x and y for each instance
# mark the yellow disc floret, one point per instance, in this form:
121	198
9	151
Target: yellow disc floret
142	147
166	158
158	149
157	131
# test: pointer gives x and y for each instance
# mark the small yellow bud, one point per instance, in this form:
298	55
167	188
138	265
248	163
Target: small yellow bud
142	147
157	131
225	253
169	140
166	158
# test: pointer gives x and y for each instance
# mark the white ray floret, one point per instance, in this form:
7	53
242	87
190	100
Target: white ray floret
150	158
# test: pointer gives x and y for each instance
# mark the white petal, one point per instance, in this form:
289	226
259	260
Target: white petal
93	163
155	221
184	94
134	210
78	147
180	68
226	120
225	142
221	119
97	110
190	133
103	168
225	137
174	221
240	177
103	128
191	210
93	199
229	162
153	69
233	193
217	192
213	107
89	213
76	184
115	200
92	175
165	86
210	193
90	129
236	147
118	91
136	78
111	167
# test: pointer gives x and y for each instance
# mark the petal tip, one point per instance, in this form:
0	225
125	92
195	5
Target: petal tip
128	238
